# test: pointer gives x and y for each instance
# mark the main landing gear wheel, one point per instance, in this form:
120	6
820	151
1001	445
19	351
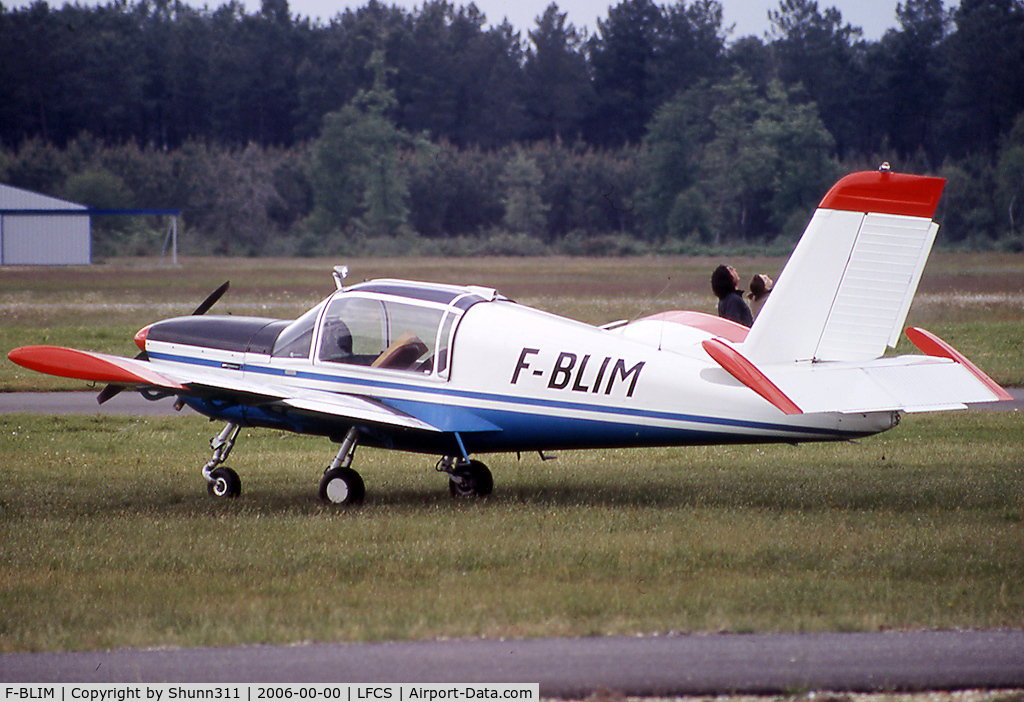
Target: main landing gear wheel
471	480
224	482
342	486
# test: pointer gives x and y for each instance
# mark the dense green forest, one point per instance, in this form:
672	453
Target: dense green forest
385	130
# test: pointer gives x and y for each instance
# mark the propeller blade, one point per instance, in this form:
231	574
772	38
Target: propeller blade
112	391
212	299
108	393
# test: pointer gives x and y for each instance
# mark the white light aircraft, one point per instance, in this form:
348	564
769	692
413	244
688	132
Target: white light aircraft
460	371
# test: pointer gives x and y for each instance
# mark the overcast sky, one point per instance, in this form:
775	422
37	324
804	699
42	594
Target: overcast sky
748	16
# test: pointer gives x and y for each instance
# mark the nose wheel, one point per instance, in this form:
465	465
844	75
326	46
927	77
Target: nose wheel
220	480
224	482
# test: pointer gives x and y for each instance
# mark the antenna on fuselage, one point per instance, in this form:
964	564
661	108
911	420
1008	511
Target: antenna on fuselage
340	273
650	301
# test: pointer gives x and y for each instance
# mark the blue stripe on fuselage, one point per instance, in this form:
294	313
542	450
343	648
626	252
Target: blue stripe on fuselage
521	423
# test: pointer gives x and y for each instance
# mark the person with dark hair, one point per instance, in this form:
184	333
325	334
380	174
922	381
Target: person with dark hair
725	284
760	288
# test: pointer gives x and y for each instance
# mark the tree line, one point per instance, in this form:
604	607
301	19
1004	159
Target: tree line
394	129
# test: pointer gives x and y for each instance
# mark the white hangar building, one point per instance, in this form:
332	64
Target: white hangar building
41	230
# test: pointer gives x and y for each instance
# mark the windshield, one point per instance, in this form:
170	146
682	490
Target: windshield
296	340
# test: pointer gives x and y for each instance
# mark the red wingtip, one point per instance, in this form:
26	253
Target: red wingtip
87	365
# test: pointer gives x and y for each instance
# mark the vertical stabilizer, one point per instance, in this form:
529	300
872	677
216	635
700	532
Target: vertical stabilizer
846	290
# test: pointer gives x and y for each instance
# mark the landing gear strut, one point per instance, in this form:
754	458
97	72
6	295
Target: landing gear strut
341	485
467	478
222	481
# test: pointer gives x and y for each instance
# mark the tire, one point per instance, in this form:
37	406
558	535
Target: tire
342	486
224	483
476	481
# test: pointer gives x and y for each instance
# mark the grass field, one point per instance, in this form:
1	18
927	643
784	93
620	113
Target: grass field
108	539
974	301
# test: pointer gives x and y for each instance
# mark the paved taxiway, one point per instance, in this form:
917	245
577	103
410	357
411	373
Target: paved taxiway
575	668
127	403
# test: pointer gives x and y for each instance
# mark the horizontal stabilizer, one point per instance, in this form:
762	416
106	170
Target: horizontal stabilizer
905	383
942	380
88	365
932	345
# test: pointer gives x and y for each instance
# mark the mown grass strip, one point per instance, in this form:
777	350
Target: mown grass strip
109	539
974	301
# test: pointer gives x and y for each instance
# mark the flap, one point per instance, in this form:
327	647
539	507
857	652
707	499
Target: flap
357	409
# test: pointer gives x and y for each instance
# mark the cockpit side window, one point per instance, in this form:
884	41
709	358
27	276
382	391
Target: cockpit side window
380	333
296	340
353	331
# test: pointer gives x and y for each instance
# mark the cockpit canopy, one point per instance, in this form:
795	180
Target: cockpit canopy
391	324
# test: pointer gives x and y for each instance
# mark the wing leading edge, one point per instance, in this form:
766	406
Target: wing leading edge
89	365
134	373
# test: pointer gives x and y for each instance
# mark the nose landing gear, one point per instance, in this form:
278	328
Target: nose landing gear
222	481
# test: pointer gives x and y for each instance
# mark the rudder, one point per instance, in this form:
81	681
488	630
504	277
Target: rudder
845	292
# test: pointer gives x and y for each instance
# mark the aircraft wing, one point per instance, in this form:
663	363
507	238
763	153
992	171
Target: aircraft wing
89	365
136	373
